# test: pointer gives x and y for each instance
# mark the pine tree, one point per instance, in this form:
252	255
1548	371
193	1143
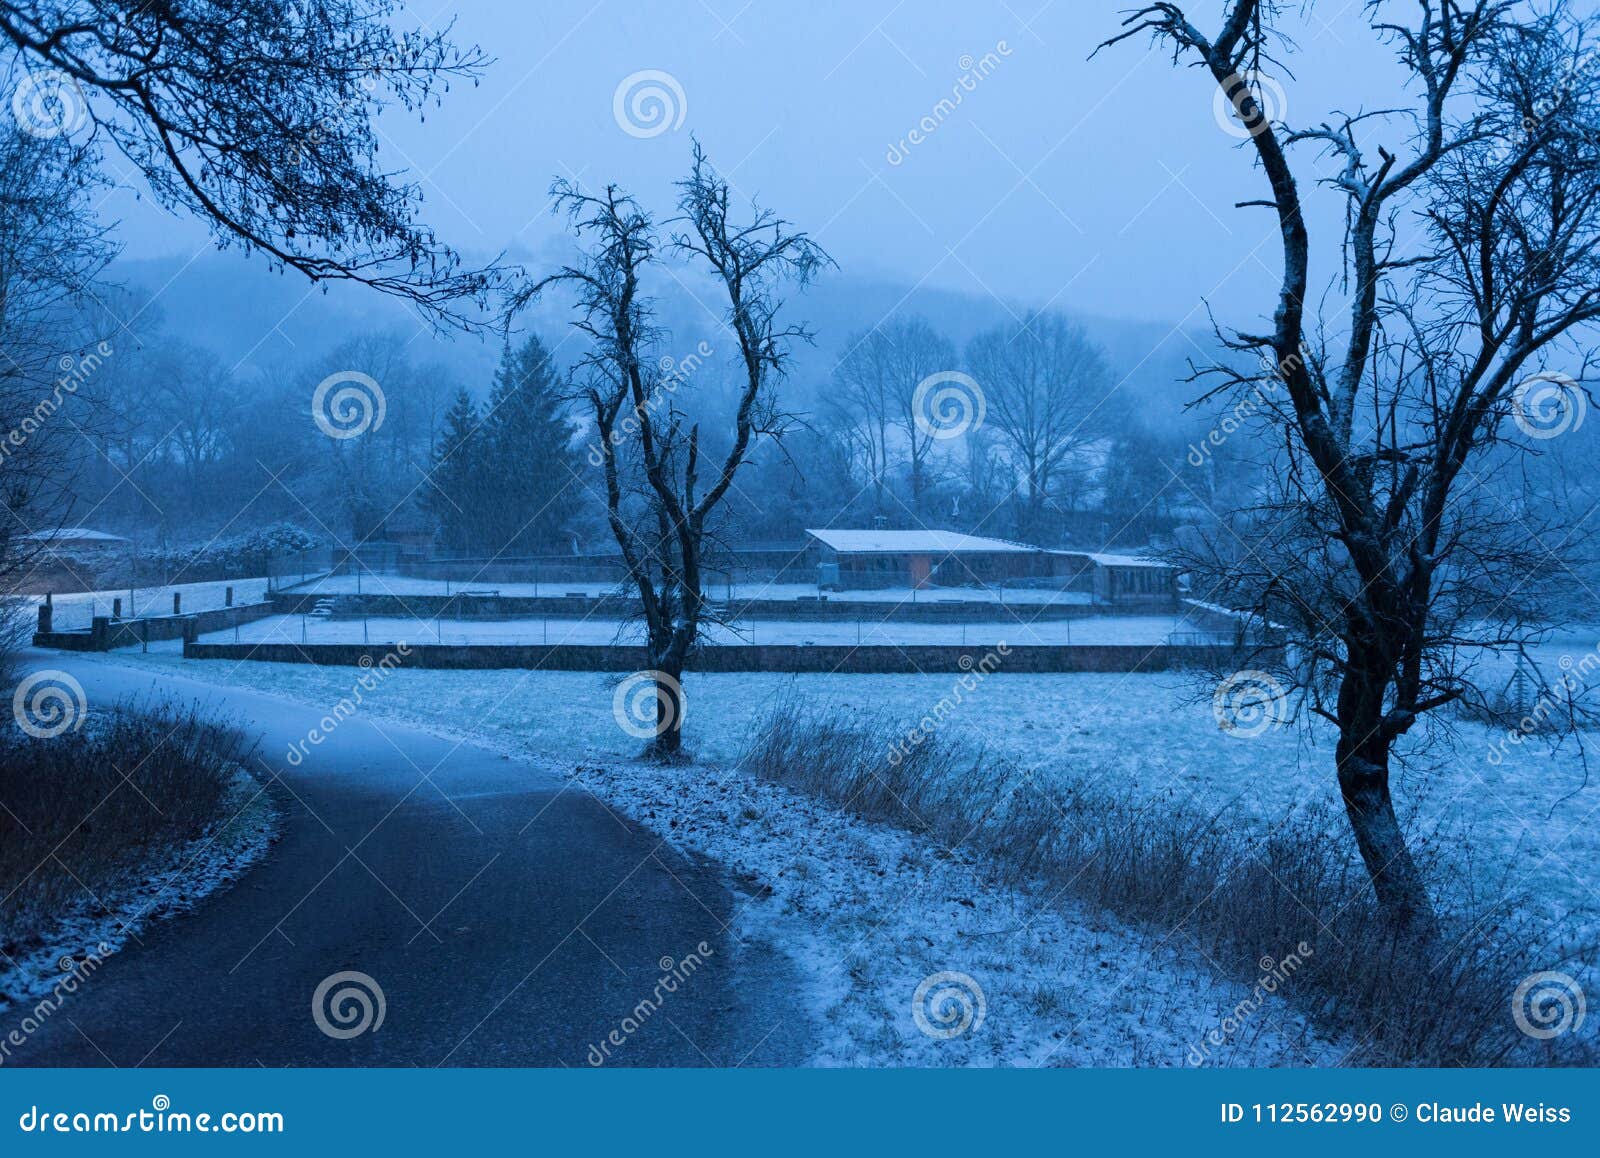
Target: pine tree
455	496
531	468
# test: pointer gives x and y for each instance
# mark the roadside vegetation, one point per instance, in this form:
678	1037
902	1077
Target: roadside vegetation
103	811
1243	896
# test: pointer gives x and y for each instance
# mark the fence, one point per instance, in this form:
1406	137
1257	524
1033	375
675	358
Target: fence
76	611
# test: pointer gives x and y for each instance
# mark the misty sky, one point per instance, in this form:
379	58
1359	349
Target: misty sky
1104	186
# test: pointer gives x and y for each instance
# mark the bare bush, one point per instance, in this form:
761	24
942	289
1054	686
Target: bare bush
1238	896
82	809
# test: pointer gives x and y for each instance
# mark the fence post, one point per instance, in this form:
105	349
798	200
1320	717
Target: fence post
116	608
100	633
46	616
227	596
177	603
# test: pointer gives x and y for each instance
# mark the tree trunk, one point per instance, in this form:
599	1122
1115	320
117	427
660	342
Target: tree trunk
667	744
1362	755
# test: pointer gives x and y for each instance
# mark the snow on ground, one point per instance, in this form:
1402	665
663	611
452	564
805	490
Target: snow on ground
1147	630
408	585
75	609
1528	818
1523	818
171	881
914	959
884	924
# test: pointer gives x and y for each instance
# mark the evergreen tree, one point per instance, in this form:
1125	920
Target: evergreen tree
455	497
530	468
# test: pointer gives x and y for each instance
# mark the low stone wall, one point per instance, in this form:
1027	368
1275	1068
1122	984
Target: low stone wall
928	608
106	633
811	658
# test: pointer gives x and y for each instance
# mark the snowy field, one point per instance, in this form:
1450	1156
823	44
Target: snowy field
1142	630
76	609
405	585
1527	819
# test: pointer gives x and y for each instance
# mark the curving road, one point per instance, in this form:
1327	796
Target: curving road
509	919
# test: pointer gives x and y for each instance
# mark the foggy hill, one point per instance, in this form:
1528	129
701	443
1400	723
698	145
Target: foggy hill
252	318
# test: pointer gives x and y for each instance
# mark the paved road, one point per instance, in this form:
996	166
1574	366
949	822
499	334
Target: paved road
509	919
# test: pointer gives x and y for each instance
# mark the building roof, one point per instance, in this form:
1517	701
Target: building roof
916	542
1124	560
73	535
1101	559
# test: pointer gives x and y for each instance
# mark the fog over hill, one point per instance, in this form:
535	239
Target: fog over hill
251	318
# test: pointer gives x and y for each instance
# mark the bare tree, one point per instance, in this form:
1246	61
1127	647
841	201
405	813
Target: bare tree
257	116
875	398
1389	553
50	252
1045	385
659	504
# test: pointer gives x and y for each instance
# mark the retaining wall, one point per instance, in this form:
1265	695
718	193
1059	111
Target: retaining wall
813	658
105	633
925	609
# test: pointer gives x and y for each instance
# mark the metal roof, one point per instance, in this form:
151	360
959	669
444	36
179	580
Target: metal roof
1102	559
73	535
916	542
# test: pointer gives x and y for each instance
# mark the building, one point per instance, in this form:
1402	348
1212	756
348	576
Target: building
74	539
863	560
1120	580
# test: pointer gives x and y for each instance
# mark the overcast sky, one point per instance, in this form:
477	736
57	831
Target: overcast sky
1101	185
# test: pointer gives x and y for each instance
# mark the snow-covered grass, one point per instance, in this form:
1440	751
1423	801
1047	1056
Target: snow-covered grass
1516	808
1521	821
75	609
915	957
1145	630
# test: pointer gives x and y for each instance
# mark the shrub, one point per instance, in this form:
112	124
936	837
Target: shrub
83	809
1244	897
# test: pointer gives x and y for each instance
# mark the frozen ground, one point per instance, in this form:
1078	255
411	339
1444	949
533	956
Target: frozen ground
407	585
1147	630
885	924
915	959
77	608
1524	819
